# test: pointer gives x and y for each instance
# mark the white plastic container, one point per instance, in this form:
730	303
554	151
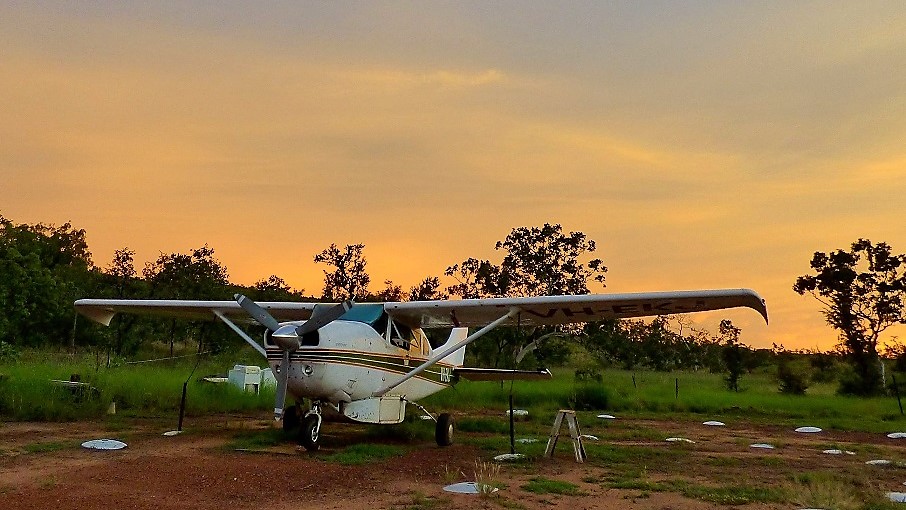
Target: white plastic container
247	377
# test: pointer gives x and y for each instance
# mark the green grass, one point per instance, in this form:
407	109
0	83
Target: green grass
833	491
542	485
364	453
155	389
27	393
701	393
421	502
257	440
732	494
49	446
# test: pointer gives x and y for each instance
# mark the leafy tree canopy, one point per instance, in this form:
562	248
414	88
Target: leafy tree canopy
348	279
863	291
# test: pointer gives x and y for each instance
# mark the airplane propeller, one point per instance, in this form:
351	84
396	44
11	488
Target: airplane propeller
288	337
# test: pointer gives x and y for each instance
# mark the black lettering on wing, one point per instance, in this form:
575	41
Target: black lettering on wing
584	311
547	315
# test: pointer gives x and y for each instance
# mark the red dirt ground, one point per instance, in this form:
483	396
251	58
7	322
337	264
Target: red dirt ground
195	470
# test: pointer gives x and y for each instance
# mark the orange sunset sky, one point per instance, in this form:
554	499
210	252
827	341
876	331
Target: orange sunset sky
700	144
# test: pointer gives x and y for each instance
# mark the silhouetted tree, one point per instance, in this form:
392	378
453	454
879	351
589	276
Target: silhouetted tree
194	275
126	284
43	269
543	261
427	290
475	279
733	354
863	292
274	288
348	280
537	261
391	292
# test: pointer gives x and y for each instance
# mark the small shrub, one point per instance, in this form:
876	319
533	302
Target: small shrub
825	367
587	375
589	397
732	357
8	352
794	377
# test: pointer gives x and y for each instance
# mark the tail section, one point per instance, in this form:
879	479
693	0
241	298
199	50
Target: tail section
457	357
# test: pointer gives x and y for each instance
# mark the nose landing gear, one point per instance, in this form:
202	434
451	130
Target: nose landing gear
310	431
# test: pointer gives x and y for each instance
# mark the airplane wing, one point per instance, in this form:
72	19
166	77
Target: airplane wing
103	310
540	310
537	310
543	310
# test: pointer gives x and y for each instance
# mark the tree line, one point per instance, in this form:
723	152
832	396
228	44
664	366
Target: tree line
44	268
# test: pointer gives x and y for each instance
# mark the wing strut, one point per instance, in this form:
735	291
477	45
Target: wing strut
241	333
446	352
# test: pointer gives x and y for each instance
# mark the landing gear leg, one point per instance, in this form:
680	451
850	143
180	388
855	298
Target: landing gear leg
310	432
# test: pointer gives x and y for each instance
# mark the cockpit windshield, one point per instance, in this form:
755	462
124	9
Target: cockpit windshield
374	315
370	314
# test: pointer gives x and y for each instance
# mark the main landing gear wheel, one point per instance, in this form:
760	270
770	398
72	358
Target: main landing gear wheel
291	419
443	434
310	432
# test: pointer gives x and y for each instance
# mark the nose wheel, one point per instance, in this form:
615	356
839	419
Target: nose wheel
310	430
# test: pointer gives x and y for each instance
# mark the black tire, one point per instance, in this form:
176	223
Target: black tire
309	433
291	419
443	433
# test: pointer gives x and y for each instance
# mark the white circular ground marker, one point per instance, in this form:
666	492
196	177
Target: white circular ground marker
679	440
878	462
808	430
171	433
838	452
104	444
425	417
607	417
896	435
589	437
470	488
504	457
897	497
714	423
525	440
517	412
764	446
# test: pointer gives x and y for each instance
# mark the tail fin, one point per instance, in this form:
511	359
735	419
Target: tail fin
457	357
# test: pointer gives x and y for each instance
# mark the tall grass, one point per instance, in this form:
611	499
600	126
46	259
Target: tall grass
28	393
699	393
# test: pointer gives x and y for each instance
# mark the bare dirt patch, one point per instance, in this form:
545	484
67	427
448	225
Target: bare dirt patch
198	470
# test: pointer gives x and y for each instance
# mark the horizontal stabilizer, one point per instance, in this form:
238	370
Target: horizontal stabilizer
500	374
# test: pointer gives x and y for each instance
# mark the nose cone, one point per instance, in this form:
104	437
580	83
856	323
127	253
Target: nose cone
286	337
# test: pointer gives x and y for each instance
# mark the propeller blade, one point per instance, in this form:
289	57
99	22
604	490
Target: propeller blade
282	382
321	319
257	313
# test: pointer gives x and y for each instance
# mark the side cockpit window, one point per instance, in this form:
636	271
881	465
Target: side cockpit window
400	335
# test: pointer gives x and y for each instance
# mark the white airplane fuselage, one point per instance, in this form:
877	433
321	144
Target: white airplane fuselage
351	362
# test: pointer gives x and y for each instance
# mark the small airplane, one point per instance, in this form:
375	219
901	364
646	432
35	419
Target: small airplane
366	361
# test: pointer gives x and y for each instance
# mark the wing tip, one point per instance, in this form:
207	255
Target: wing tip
97	313
758	304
